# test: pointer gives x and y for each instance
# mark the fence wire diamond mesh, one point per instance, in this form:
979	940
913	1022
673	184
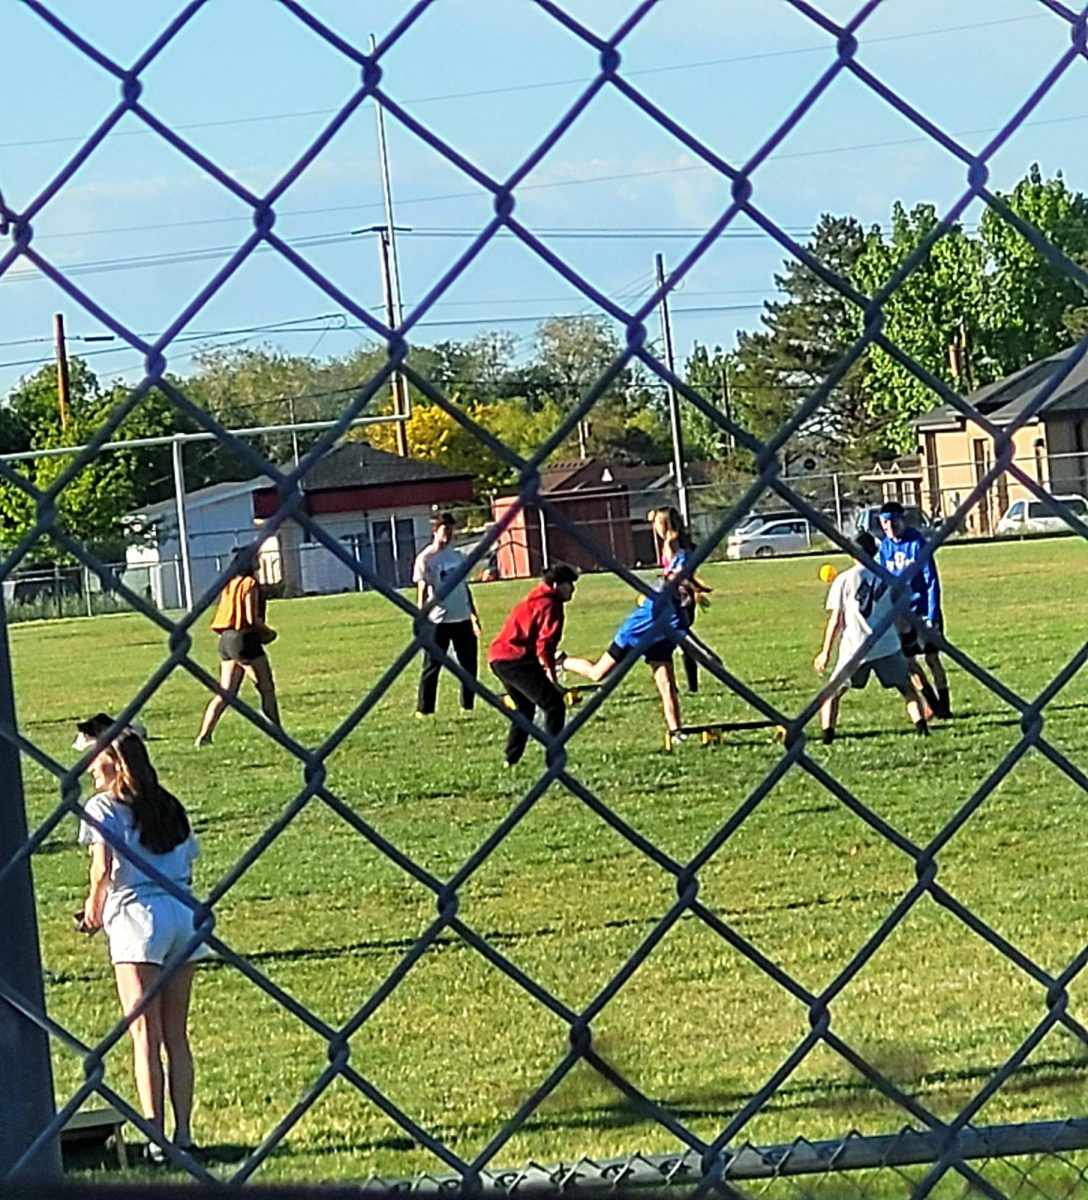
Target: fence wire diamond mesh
921	1148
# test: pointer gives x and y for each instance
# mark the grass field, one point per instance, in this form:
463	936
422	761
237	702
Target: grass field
698	1028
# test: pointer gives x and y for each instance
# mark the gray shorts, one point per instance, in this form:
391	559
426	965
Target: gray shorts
150	930
891	671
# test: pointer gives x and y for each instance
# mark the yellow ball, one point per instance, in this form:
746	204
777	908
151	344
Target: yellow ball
828	573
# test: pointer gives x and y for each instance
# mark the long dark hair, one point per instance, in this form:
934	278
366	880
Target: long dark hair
669	521
158	815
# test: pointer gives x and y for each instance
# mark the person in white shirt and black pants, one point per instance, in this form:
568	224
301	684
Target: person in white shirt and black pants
455	617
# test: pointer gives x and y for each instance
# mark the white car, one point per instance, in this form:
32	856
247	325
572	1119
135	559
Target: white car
1033	516
776	537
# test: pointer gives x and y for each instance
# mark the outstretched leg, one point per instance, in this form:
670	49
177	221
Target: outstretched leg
595	671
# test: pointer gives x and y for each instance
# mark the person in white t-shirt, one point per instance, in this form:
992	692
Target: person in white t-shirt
857	603
149	924
453	613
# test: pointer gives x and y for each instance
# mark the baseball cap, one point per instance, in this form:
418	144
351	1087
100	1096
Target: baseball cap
90	732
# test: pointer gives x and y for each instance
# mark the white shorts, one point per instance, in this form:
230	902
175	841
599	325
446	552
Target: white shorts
150	930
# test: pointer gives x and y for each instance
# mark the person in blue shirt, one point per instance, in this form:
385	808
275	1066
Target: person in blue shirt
899	553
665	604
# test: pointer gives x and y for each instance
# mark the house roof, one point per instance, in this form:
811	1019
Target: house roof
579	472
1004	400
202	497
357	464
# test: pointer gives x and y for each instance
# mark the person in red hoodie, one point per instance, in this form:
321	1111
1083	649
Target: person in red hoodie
523	656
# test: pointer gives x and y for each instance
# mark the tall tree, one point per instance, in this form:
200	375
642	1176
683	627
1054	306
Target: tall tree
937	303
1028	299
805	336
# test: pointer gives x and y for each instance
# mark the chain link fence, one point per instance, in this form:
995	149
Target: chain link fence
916	1147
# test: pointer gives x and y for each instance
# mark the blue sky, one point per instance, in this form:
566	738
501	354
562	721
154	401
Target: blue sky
142	229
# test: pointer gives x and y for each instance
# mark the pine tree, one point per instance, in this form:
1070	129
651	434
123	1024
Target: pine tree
806	335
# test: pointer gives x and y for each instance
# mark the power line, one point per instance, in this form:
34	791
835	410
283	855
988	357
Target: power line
494	322
510	89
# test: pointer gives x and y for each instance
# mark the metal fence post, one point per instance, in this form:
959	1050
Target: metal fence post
26	1075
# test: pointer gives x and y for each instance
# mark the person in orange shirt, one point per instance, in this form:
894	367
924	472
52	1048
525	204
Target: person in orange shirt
243	634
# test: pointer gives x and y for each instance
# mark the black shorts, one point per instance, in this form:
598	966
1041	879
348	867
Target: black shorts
655	655
236	645
913	646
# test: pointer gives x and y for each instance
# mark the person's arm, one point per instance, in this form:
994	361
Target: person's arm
419	578
548	634
251	617
933	591
99	885
477	628
831	632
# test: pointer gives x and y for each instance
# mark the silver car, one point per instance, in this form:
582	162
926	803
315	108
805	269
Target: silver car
1033	516
766	541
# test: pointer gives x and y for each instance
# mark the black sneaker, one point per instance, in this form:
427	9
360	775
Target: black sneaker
921	728
828	736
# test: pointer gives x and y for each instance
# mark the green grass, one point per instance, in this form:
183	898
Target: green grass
697	1027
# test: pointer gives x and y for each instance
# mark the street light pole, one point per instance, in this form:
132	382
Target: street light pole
673	398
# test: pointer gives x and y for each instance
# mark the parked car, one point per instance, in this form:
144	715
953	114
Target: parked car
1033	516
754	520
767	540
868	519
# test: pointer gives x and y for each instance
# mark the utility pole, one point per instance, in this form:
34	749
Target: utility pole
674	399
183	524
62	368
294	431
727	406
391	274
400	384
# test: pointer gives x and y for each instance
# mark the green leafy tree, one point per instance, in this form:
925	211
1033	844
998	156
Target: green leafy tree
573	355
1029	302
939	301
93	502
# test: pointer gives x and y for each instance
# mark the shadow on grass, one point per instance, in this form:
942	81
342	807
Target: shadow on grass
957	1089
581	1108
401	945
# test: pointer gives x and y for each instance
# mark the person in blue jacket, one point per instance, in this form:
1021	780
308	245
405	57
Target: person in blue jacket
899	553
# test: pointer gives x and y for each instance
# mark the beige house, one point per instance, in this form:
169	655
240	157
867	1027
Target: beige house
1050	447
